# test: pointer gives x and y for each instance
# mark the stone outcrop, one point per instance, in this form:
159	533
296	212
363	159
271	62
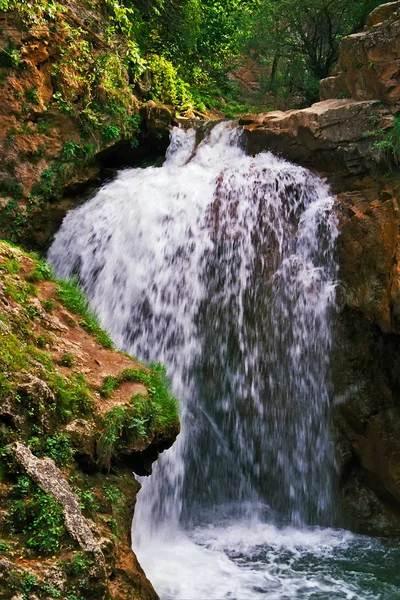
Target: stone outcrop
369	64
340	135
52	481
335	137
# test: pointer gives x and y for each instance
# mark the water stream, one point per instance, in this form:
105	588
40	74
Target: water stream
222	266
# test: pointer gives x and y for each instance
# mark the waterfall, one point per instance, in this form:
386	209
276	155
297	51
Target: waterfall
221	266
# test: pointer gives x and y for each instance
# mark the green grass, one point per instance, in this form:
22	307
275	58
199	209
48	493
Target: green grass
73	298
389	146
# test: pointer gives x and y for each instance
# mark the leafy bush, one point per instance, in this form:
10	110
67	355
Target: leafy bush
110	132
38	516
389	146
167	86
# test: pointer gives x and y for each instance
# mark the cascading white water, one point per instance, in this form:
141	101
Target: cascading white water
221	266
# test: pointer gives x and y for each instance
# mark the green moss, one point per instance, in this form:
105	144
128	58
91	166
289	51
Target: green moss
67	360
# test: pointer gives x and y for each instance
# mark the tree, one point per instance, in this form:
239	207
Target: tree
300	38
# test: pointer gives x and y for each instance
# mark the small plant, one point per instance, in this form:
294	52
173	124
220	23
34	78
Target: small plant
44	340
110	132
49	305
41	272
38	516
79	565
64	106
389	146
31	96
87	500
10	57
58	447
70	150
67	360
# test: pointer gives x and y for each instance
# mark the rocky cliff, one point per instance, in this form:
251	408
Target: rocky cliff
77	418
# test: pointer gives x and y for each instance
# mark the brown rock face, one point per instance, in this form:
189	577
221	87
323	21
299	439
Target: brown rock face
369	64
366	361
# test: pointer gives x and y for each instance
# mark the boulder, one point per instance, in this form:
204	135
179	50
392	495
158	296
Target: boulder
334	136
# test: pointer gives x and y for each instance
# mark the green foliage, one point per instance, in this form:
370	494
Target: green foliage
110	132
10	57
11	266
167	86
389	145
31	96
87	500
70	150
80	564
49	305
38	516
71	295
72	395
10	186
67	360
56	446
41	272
299	40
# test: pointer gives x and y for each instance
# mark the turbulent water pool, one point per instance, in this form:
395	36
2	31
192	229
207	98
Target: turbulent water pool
222	266
255	561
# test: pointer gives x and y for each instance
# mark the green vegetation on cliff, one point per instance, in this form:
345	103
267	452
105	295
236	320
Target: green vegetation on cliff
66	396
